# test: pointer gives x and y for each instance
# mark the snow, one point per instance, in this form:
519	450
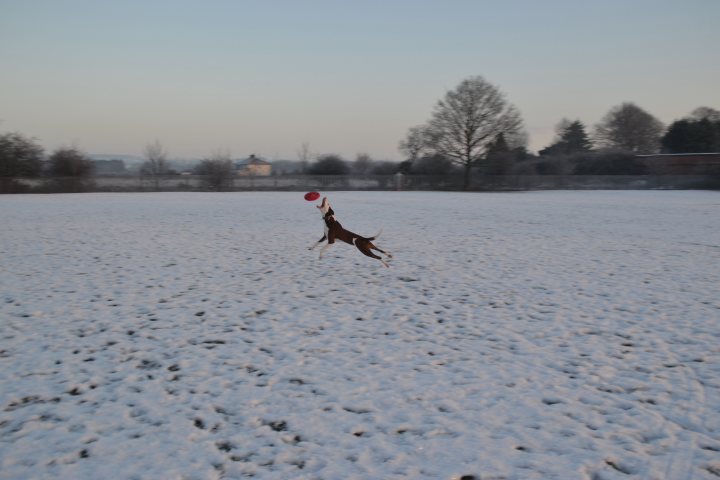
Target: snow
518	336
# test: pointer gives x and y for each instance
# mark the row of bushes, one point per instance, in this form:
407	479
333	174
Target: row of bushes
296	183
588	163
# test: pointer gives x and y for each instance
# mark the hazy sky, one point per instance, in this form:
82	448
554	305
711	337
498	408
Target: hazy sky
346	77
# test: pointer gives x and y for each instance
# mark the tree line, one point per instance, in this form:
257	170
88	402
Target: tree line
473	128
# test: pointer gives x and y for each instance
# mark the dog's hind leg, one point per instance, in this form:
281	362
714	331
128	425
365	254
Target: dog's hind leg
365	249
387	254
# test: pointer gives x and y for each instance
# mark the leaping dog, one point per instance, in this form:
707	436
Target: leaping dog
333	231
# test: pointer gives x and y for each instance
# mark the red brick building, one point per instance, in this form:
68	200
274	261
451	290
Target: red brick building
682	163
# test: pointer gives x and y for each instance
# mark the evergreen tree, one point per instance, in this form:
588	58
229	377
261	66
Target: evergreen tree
499	156
571	138
576	139
692	136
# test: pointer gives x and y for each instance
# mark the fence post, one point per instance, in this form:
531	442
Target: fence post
398	181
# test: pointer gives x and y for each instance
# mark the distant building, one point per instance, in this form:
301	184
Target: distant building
253	166
681	163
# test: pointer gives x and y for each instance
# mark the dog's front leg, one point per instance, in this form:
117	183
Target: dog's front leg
324	237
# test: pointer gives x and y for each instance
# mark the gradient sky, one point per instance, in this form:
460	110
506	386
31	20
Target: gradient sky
264	77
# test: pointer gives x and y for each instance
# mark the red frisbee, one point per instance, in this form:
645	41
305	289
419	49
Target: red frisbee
312	196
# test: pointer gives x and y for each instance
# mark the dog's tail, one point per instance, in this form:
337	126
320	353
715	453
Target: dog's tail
374	236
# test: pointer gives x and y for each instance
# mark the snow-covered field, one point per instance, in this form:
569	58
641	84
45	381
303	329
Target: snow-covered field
566	335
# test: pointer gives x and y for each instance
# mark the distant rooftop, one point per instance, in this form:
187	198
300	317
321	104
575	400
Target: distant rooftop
252	160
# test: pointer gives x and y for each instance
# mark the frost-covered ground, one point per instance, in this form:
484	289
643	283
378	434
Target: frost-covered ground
567	335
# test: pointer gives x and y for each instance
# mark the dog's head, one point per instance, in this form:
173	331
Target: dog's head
325	209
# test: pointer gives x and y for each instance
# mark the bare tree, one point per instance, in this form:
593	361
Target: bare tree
218	171
71	168
414	143
468	120
705	113
329	164
304	156
70	162
20	156
156	163
629	128
363	164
